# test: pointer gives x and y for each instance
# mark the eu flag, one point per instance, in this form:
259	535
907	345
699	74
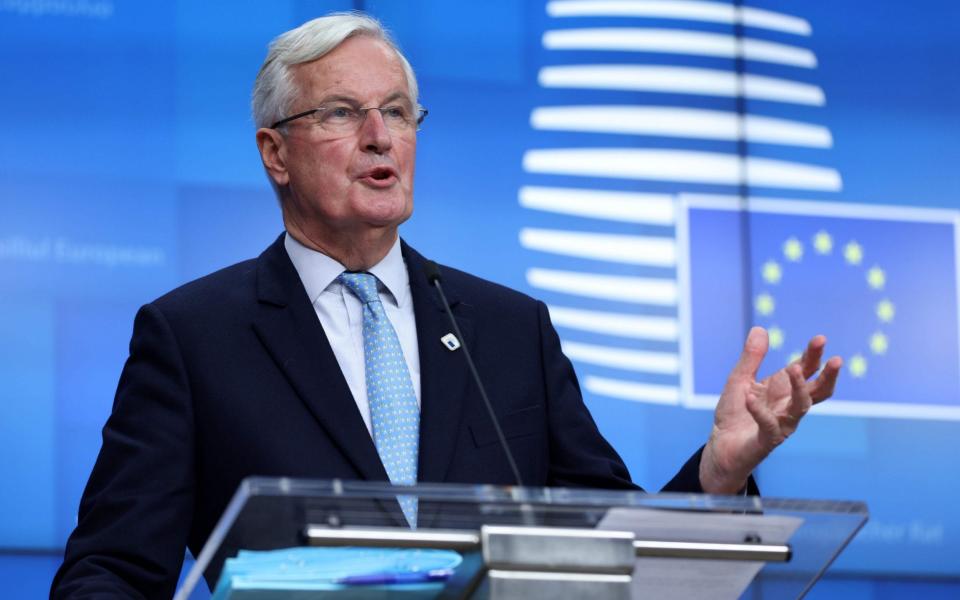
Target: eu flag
879	282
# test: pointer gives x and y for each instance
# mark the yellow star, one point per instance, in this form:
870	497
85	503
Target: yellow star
879	343
794	357
771	272
876	278
853	253
776	337
822	242
765	304
858	365
793	249
885	310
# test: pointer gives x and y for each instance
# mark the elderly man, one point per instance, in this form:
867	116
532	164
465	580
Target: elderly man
330	356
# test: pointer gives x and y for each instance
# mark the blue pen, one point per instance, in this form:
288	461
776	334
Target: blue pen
395	578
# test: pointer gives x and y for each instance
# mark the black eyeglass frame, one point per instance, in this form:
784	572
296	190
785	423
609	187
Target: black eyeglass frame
421	115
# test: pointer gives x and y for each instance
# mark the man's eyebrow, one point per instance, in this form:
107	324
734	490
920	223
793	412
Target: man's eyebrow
353	101
338	98
397	96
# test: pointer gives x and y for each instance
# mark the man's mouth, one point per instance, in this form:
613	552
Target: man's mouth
379	177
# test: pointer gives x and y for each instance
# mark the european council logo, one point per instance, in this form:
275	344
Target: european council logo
880	282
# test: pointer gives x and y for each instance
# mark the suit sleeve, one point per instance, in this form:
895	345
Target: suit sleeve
688	479
135	512
579	454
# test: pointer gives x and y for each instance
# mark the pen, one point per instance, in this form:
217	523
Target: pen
394	578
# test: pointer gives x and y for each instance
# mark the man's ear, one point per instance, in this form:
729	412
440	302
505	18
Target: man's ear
273	153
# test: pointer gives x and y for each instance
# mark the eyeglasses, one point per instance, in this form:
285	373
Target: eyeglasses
344	118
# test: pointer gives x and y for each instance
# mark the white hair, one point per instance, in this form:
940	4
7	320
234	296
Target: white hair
274	90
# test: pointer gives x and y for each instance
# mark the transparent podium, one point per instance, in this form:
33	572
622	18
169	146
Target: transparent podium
292	539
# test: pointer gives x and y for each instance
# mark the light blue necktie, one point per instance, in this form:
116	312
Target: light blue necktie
394	413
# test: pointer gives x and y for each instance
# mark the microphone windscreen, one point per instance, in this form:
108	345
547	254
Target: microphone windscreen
432	271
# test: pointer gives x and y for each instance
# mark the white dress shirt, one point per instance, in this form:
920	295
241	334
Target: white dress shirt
341	313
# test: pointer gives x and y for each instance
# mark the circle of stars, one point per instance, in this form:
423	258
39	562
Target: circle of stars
822	243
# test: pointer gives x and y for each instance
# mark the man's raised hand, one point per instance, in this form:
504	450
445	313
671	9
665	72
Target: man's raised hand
754	417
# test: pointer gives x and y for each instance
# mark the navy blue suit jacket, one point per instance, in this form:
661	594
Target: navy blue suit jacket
231	376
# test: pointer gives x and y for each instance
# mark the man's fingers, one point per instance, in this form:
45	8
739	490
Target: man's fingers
765	419
810	361
800	399
822	387
754	349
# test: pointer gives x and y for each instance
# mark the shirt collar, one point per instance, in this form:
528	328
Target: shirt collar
319	272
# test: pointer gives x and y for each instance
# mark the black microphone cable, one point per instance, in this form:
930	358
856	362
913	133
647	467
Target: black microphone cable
433	276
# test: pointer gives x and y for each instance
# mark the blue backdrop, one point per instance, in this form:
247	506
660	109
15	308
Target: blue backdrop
661	183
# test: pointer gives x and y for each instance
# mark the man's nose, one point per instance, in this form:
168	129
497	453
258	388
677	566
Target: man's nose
374	133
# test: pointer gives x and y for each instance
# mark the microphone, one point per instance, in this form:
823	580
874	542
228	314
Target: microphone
433	276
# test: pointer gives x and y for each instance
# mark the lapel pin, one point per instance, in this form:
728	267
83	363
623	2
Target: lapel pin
450	341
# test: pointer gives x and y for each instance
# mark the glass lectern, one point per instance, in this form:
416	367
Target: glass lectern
286	538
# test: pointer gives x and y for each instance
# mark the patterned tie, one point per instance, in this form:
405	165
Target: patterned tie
393	404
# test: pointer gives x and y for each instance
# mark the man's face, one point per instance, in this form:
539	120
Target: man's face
349	184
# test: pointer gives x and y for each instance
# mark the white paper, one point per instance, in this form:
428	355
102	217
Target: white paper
672	578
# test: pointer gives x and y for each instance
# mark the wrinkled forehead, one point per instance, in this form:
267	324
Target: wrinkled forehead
363	68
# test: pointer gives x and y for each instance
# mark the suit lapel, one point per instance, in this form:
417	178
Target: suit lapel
288	326
444	377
